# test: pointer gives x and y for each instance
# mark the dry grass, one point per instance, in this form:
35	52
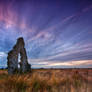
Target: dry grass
47	81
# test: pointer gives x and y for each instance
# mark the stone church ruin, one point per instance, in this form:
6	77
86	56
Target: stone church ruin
13	55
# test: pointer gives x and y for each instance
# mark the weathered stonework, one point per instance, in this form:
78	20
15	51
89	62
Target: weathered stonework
12	63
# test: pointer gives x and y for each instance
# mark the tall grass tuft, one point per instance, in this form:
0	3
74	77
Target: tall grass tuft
13	84
35	82
39	85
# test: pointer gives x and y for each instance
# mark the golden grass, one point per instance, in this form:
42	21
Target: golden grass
44	81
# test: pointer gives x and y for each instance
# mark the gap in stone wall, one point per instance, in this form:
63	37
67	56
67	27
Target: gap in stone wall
19	60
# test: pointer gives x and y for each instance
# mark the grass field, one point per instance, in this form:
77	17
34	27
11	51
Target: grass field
47	80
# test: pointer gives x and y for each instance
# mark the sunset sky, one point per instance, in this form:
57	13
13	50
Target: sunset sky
57	33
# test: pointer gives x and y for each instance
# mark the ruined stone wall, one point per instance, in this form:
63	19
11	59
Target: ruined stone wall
12	63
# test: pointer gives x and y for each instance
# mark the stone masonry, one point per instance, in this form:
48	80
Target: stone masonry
19	48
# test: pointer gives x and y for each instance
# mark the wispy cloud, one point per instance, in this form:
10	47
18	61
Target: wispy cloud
54	35
45	63
72	63
3	54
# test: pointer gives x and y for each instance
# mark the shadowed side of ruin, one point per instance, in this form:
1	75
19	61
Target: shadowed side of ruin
19	48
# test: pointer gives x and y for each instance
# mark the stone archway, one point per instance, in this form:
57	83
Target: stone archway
19	48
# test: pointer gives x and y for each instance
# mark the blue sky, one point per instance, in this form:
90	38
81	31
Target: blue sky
57	33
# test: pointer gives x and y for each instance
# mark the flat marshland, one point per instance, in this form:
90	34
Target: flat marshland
47	80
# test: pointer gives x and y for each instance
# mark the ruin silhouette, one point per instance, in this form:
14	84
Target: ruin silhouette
19	48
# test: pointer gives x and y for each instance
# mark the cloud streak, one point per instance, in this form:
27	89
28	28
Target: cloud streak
53	31
45	63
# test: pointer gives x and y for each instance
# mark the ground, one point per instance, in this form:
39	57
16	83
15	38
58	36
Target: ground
47	80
